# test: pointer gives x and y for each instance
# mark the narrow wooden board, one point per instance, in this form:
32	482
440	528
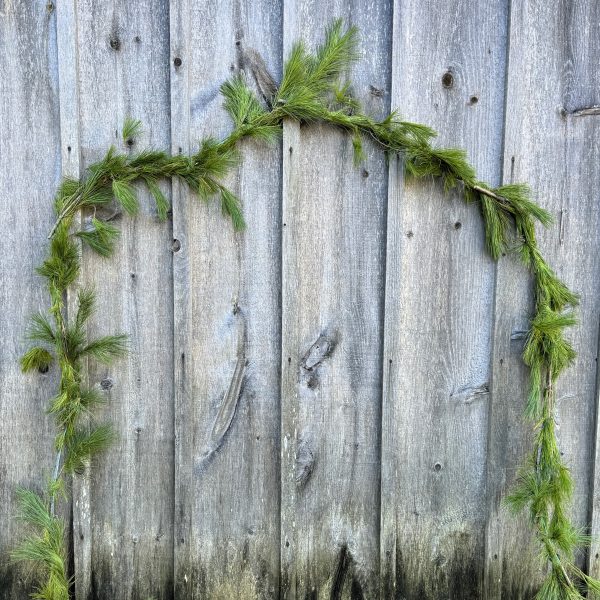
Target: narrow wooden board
448	72
553	74
29	150
124	517
227	320
334	220
78	518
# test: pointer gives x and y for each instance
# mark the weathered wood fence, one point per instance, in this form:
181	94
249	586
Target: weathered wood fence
379	419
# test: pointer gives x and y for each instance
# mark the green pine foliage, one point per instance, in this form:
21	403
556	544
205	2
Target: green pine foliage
132	128
36	358
100	237
82	444
44	547
64	342
314	88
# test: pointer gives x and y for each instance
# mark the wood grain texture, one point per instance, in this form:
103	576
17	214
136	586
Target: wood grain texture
552	74
448	72
333	277
77	517
329	404
29	151
227	320
127	508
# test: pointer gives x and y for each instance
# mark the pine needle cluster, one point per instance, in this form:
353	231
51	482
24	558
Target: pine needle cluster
314	88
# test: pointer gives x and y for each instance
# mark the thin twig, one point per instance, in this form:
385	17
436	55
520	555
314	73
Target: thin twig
490	194
64	213
55	478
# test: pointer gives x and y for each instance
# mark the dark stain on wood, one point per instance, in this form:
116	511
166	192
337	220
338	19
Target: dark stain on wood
460	576
190	581
356	592
344	563
12	583
516	585
101	587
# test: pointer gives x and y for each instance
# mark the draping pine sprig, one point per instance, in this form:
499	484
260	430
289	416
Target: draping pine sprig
314	89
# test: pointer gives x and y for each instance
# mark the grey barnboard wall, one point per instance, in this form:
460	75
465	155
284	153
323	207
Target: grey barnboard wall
327	405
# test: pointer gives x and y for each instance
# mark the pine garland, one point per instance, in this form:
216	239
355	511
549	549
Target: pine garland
313	89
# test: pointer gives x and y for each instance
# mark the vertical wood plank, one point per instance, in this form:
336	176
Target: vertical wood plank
70	154
124	71
227	320
553	75
29	151
333	277
448	72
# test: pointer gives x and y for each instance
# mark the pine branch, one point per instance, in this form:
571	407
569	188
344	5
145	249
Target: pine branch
106	349
132	128
313	88
36	359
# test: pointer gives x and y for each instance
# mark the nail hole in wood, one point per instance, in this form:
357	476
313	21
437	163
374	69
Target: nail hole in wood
68	148
457	225
177	62
447	79
474	100
115	42
137	39
364	173
437	466
106	383
409	234
176	245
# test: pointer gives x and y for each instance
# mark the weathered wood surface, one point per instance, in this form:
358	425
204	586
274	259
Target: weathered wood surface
333	260
29	152
124	517
227	320
438	309
329	404
553	73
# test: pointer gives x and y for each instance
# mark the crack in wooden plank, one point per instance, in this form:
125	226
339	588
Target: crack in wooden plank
587	111
229	404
